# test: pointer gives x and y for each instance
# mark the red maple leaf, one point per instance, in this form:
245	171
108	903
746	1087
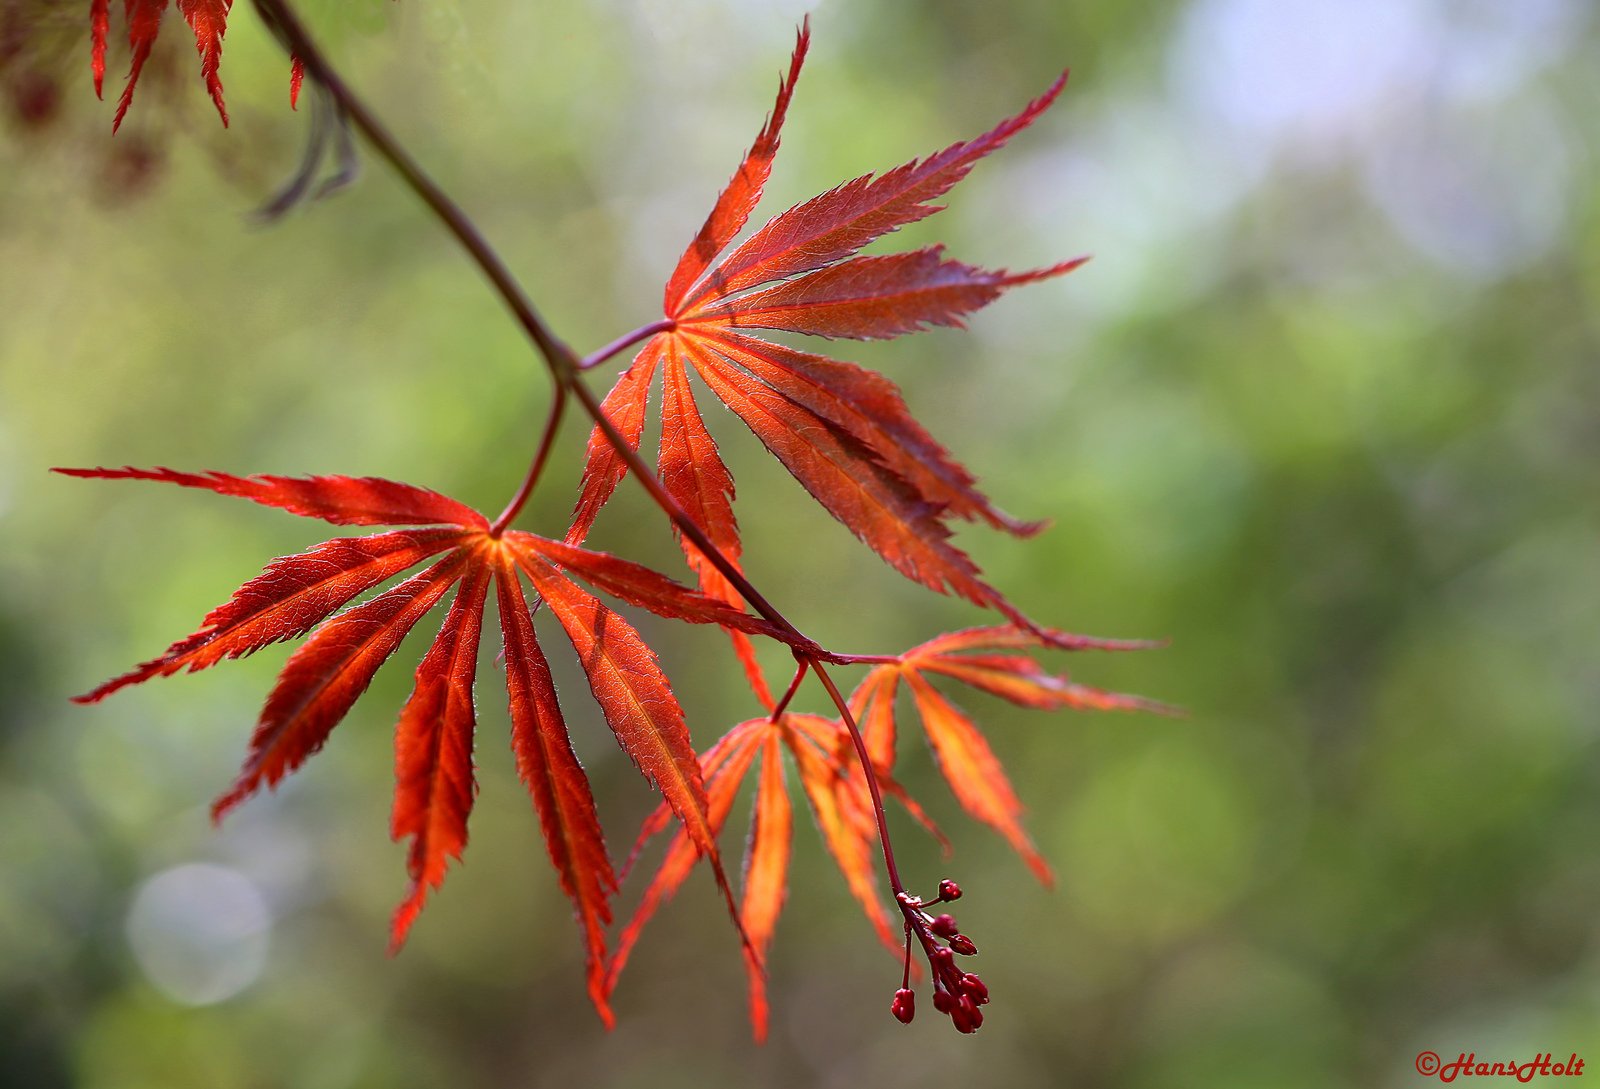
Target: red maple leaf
207	18
433	742
843	432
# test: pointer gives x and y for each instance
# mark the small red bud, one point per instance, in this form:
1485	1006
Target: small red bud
943	958
973	988
972	1012
904	1006
963	945
944	926
965	1016
949	890
944	1001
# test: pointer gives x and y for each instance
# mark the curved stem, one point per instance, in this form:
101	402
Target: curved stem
623	343
871	776
802	664
552	424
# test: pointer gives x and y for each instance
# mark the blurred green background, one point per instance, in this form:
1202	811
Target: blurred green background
1322	410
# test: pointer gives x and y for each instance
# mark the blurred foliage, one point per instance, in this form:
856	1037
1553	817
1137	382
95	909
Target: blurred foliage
1322	411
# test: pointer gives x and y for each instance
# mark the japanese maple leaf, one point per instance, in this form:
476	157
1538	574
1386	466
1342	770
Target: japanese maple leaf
435	784
839	801
207	18
843	432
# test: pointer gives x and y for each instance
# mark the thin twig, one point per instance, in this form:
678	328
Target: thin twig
552	424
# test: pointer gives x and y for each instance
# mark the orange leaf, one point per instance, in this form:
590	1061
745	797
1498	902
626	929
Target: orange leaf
973	772
766	872
434	792
838	819
847	439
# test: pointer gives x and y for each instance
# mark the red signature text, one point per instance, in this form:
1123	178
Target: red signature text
1468	1065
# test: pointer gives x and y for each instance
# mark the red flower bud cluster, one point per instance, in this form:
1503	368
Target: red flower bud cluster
956	993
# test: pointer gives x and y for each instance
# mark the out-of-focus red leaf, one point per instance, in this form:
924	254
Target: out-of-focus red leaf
839	801
872	704
980	657
766	872
973	771
144	23
850	844
207	19
99	29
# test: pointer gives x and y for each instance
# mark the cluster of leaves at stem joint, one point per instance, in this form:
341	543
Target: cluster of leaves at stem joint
435	784
843	432
822	752
208	19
